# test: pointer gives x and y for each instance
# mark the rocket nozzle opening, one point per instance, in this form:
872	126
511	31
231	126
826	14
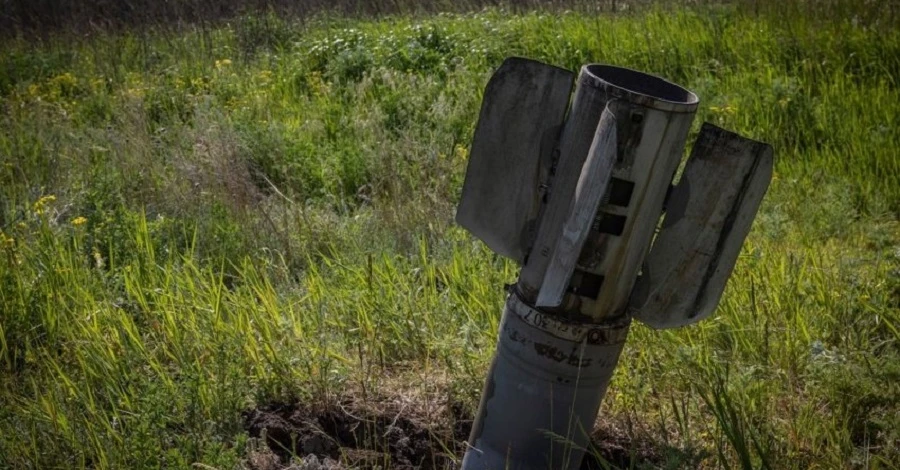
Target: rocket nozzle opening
641	86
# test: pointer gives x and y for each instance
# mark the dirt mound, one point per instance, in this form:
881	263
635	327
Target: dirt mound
349	435
357	437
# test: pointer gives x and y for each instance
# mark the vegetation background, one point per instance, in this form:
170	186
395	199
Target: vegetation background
208	207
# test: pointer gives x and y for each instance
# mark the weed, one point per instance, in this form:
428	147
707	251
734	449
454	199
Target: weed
201	220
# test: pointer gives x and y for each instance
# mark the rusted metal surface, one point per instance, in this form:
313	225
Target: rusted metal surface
521	117
543	390
709	215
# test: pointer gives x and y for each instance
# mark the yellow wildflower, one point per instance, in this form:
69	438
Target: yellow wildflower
41	205
78	221
461	152
6	241
62	86
134	92
223	63
723	110
198	83
65	80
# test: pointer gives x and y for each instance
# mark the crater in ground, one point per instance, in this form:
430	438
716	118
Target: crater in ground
350	435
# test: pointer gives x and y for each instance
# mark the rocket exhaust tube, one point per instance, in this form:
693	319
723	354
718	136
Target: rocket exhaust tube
543	390
576	199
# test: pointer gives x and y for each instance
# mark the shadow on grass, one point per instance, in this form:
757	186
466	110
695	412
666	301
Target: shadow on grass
613	449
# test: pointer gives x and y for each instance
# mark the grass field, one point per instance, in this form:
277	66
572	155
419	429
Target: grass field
201	222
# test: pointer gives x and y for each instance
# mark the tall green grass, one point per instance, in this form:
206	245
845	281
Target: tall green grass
196	223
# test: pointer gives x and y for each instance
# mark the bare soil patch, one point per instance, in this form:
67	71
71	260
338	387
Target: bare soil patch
351	435
358	436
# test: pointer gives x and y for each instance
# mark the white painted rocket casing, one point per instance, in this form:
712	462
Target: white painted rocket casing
579	210
653	118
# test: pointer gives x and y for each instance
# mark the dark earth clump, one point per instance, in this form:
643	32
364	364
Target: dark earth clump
356	437
347	435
